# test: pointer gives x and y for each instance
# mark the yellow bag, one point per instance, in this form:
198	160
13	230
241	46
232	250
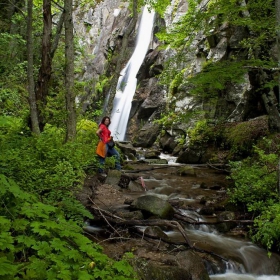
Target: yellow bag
101	149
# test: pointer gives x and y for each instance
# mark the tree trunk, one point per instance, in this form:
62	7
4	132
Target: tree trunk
32	98
277	12
42	87
69	71
58	33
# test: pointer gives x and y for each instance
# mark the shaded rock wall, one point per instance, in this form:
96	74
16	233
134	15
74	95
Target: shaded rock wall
102	28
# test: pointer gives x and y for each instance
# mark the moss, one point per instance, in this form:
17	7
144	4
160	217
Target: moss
241	137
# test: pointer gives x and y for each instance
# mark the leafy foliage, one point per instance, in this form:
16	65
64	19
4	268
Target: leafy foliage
159	6
256	187
241	137
200	29
255	180
13	99
40	218
38	242
45	164
226	72
267	224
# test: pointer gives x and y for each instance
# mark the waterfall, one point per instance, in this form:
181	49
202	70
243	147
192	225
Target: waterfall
127	81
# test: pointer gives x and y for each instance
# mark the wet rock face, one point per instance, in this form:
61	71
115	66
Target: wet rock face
102	29
146	136
192	263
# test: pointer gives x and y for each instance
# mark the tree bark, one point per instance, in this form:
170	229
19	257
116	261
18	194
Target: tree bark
69	71
277	12
58	33
42	86
32	98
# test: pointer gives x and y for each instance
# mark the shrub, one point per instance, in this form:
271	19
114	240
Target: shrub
37	242
257	188
255	181
45	165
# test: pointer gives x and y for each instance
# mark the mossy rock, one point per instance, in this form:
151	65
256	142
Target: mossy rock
186	171
148	270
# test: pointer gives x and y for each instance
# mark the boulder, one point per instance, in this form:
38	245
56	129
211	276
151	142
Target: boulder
194	264
154	206
146	136
152	154
227	226
127	149
113	177
148	270
186	171
156	232
167	142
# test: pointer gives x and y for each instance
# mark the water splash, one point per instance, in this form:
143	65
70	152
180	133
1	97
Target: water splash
127	81
236	276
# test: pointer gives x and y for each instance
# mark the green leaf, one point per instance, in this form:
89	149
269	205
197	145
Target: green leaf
7	268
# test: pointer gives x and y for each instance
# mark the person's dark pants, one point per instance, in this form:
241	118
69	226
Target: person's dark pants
110	152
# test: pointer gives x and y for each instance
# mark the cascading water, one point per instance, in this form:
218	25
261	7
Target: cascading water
127	81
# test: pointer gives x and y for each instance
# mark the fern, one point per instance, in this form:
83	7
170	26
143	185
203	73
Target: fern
37	242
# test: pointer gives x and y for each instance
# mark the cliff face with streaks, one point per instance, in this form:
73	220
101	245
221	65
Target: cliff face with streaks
101	30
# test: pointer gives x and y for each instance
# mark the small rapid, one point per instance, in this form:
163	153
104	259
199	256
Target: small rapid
242	259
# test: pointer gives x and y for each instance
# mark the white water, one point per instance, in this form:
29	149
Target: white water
127	81
246	261
235	276
170	159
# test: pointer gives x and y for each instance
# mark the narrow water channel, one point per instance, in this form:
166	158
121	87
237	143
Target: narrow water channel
244	260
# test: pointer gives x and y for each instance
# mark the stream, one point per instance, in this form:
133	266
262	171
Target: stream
245	260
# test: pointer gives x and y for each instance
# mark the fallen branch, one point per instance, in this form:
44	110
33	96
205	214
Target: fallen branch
103	216
111	218
214	166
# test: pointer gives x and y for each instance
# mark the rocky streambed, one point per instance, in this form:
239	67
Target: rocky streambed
176	221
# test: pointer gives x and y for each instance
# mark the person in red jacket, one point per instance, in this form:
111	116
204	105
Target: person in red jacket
103	149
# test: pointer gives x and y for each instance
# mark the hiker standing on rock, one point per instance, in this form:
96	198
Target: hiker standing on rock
105	147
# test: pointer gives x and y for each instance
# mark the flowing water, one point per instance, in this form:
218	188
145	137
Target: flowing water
243	259
127	81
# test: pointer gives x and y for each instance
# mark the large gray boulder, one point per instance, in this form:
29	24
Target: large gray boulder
193	263
148	270
146	136
154	206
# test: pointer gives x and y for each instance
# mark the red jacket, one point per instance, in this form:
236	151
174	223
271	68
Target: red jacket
105	133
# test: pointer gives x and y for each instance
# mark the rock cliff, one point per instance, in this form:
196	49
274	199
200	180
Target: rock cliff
101	30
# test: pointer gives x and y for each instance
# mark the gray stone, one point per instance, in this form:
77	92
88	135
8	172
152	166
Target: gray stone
135	186
193	263
148	270
152	154
154	206
146	136
113	177
186	171
156	232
